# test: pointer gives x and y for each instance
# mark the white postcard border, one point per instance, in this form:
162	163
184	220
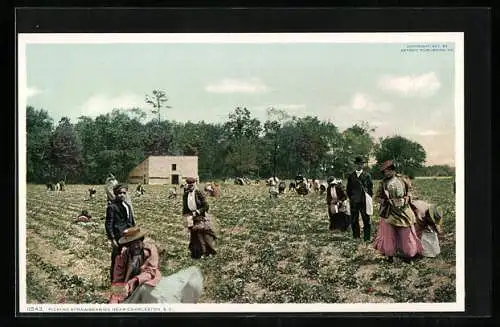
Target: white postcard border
79	38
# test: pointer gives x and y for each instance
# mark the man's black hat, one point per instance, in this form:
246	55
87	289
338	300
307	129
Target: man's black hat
359	160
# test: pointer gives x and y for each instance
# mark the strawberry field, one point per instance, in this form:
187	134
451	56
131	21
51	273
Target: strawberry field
269	250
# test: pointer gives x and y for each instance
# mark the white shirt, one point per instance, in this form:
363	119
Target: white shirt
191	202
358	172
333	193
126	208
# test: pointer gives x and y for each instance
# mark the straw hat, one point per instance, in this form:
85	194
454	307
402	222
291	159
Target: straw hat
131	234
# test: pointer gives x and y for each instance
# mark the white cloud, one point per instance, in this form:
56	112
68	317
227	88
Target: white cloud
32	91
102	104
362	101
424	85
360	108
228	85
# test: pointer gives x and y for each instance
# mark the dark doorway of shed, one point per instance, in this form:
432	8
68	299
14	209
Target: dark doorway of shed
175	179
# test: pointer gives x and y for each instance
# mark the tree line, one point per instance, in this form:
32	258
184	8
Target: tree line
87	150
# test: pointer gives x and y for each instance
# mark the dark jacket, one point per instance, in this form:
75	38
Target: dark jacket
201	203
117	220
355	186
339	189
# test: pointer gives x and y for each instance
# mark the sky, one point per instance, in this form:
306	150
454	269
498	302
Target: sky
398	91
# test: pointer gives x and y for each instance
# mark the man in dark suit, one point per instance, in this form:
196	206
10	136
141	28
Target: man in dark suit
359	182
119	217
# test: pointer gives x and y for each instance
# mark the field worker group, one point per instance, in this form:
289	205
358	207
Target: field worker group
407	225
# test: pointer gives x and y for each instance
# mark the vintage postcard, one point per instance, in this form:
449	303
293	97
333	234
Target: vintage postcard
198	172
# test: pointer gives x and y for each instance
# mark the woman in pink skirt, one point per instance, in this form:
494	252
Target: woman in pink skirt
396	229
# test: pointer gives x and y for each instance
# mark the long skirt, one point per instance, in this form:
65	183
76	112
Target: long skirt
390	238
339	221
201	240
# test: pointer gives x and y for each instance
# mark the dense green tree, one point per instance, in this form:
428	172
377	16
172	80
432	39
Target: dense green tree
354	141
118	135
288	156
211	153
311	145
283	146
241	138
39	128
158	139
65	152
408	155
330	164
270	156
